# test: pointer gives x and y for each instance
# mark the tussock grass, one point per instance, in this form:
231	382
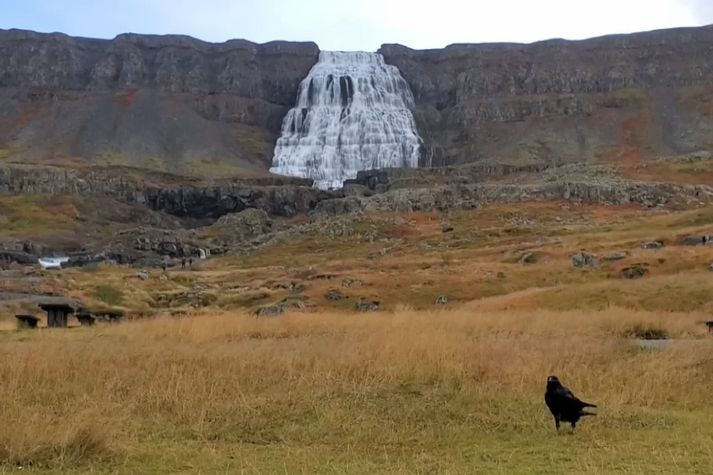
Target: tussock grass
109	294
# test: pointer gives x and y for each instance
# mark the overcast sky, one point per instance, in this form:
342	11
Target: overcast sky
357	24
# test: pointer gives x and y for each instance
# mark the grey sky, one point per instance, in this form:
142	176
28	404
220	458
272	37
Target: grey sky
357	25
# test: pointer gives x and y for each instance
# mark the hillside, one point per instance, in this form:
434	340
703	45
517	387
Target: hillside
475	309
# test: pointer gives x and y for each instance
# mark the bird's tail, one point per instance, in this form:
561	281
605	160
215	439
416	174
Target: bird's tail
582	412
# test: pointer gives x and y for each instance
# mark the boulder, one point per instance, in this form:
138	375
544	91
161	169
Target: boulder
528	258
270	310
616	256
334	295
17	256
691	240
652	245
349	283
636	271
584	259
363	305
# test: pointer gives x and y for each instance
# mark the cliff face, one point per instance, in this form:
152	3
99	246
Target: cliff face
181	105
163	102
619	97
198	201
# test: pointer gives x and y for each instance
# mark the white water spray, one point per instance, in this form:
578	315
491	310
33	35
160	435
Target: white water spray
352	114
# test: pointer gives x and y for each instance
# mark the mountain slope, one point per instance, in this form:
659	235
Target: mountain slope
617	98
162	102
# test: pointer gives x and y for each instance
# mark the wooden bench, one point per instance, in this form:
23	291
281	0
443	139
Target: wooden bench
86	319
27	321
57	314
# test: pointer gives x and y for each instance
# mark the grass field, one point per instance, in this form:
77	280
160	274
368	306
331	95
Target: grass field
401	392
412	388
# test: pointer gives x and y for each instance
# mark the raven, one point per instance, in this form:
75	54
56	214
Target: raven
564	405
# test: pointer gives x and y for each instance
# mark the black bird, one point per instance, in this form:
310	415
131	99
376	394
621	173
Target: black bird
564	405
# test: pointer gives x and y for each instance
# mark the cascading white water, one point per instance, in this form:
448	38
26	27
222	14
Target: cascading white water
352	114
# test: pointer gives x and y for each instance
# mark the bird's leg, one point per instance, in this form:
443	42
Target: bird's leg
557	423
574	424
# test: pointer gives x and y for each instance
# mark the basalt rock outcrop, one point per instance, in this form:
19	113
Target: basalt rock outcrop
469	196
201	202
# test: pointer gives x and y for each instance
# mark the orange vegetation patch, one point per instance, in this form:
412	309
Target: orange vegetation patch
127	98
670	173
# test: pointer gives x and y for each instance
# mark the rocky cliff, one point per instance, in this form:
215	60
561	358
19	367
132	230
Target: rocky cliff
199	202
625	97
178	104
159	102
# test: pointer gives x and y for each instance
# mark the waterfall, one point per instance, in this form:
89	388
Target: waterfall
352	114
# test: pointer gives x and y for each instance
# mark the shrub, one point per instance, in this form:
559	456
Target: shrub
109	294
646	332
91	268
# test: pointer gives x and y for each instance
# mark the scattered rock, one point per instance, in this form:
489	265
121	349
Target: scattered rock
270	310
322	277
695	240
297	288
380	253
616	256
528	258
143	274
299	302
710	267
442	300
350	283
652	245
292	286
17	256
584	259
636	271
249	222
363	305
334	295
183	299
447	228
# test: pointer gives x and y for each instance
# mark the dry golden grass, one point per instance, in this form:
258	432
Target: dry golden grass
409	389
400	392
